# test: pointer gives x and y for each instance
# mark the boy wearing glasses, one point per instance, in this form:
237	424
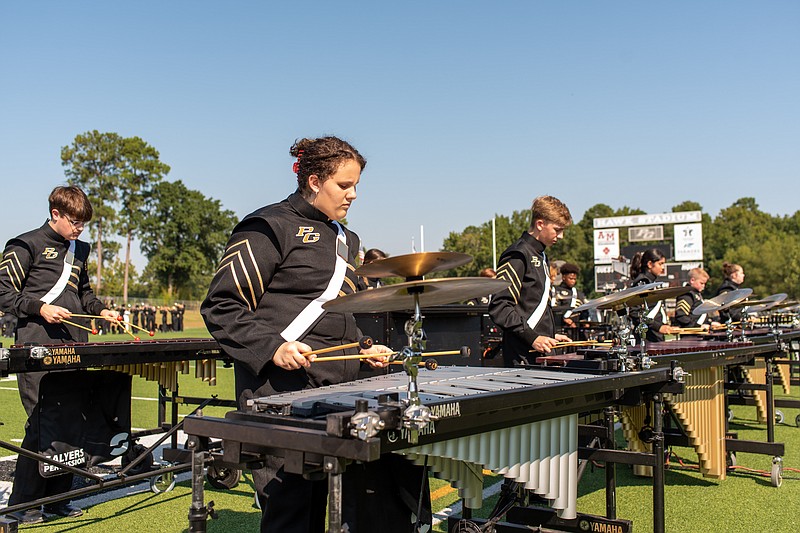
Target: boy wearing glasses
43	280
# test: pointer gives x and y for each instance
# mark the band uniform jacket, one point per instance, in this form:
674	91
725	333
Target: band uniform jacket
33	265
684	305
279	263
735	314
564	299
657	312
523	310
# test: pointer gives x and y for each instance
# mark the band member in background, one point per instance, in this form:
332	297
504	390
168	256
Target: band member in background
734	277
646	267
264	307
685	304
487	272
568	296
43	280
373	254
523	310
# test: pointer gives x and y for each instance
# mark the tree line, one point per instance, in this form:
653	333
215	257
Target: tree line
182	233
767	246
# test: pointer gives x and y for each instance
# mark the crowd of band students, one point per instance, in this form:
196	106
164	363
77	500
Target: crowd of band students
160	319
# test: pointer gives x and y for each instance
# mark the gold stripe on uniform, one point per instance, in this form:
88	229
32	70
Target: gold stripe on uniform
350	284
239	287
238	256
507	273
246	243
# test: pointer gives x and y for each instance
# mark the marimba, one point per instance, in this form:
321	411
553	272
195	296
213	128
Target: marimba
159	361
522	423
701	409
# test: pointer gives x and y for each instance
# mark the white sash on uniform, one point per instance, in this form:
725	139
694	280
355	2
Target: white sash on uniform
309	316
61	284
534	319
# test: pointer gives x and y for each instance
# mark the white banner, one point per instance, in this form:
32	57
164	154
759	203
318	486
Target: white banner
646	220
606	245
689	242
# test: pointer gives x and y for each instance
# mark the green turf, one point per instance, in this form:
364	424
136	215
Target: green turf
744	502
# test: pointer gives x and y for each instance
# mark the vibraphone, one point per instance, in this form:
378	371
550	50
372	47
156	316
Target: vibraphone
159	361
701	410
522	423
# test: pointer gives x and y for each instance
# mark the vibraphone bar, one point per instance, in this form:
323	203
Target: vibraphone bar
522	423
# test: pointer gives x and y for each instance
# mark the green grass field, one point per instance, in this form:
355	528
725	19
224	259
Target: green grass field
744	502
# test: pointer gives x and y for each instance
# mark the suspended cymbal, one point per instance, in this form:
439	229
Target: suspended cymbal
767	303
398	297
656	295
723	301
786	304
616	299
413	265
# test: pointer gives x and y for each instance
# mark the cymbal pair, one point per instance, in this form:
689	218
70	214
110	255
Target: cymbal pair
427	292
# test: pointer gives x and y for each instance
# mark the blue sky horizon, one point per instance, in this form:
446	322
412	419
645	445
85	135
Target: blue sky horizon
463	110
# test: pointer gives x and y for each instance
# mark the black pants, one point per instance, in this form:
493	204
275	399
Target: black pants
29	484
69	410
382	495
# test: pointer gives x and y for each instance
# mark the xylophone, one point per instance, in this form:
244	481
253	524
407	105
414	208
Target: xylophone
522	423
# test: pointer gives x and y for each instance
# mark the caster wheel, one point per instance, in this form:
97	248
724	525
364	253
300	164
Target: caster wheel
797	421
223	478
778	416
776	473
133	452
466	526
162	483
731	460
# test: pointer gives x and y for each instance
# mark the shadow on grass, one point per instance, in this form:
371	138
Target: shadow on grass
594	481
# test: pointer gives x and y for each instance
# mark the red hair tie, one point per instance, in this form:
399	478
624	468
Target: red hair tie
296	164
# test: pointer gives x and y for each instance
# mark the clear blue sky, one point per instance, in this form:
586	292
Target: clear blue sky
463	109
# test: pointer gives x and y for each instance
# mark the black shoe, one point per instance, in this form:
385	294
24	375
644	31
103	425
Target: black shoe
63	509
31	516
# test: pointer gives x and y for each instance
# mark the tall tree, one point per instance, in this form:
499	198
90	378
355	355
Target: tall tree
183	236
94	163
141	171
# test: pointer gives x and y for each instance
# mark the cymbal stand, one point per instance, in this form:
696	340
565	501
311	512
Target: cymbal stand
645	361
622	333
416	416
745	321
622	338
729	329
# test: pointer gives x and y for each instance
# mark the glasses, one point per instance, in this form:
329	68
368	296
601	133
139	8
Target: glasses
75	223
